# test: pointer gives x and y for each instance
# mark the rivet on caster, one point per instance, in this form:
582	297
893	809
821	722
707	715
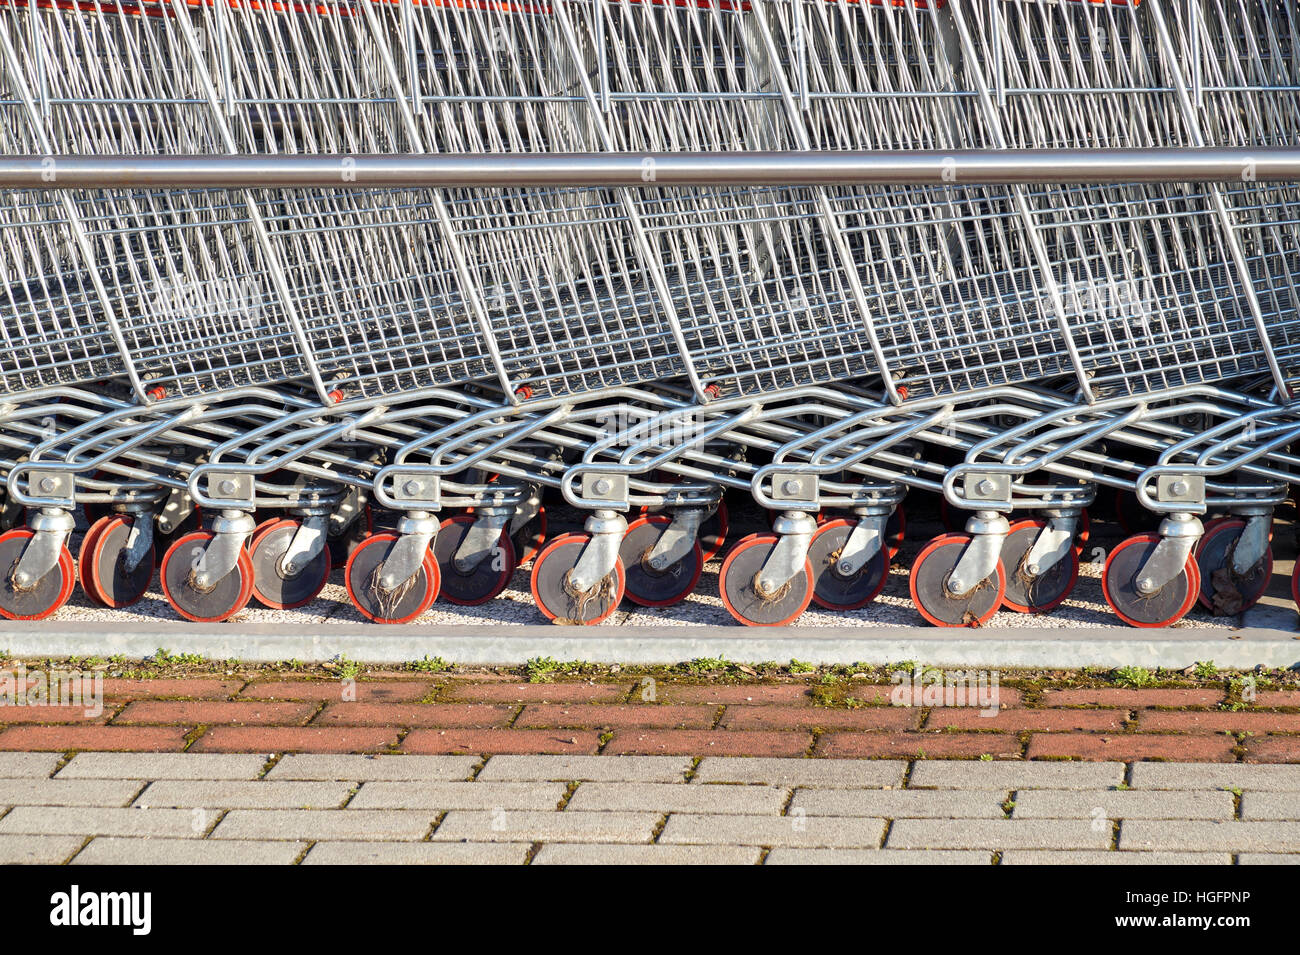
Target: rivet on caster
850	559
291	561
663	557
37	575
1152	580
475	555
959	580
1235	562
767	579
1042	562
117	559
394	578
207	576
579	578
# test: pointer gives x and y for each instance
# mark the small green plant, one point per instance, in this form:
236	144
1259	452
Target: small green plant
429	664
986	757
1122	787
1235	790
798	666
1133	677
164	657
345	668
541	669
702	665
1205	670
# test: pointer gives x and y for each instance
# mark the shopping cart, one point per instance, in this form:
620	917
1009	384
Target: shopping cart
859	335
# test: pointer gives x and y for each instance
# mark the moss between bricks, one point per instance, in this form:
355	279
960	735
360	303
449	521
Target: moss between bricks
837	686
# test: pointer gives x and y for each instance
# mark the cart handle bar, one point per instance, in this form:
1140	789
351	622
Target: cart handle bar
651	170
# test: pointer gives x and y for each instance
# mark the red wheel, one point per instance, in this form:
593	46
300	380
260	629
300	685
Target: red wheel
556	598
272	586
46	595
402	605
1223	592
1031	591
88	582
479	584
342	544
738	585
104	576
647	586
226	597
713	532
928	583
833	589
1119	585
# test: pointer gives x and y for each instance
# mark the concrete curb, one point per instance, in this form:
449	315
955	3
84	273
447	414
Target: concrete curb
1005	647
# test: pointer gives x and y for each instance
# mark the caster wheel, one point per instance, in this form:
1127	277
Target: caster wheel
928	583
1031	593
738	578
833	590
89	583
226	598
402	605
555	597
104	577
646	586
531	538
477	586
342	545
271	586
713	532
1222	592
1119	578
44	597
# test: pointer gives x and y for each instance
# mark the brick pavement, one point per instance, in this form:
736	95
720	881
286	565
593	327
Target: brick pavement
483	767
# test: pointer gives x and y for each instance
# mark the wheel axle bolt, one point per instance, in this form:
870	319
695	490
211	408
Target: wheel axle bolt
1146	585
1032	569
955	586
22	579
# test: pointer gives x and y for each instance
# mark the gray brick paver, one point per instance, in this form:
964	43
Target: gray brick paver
163	766
655	854
796	831
316	824
969	774
879	857
671	797
1246	776
1268	858
528	826
95	821
27	765
998	834
1207	836
37	850
776	771
68	792
457	795
1086	857
630	769
1113	804
242	794
900	803
417	853
127	851
327	768
1266	806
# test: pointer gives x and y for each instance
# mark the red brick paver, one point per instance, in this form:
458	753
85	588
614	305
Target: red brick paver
919	745
1133	746
293	739
202	712
596	715
132	739
397	691
528	742
707	743
476	715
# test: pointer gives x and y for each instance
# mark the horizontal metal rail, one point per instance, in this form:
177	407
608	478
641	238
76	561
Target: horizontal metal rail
650	170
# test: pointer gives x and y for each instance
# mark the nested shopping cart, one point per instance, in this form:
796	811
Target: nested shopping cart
857	335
